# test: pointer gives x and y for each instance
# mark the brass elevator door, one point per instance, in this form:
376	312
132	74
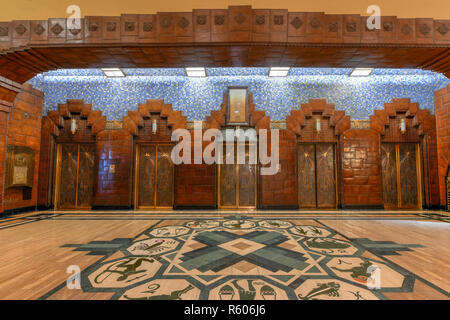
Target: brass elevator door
75	176
154	176
401	175
316	175
237	182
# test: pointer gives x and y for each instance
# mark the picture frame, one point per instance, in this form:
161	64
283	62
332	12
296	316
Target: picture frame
19	167
237	106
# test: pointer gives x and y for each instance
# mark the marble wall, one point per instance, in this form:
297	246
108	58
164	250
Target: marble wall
196	97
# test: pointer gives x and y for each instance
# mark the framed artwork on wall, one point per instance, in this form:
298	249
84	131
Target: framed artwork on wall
19	167
237	106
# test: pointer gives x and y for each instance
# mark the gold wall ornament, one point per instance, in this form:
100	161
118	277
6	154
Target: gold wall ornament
19	167
318	125
403	125
237	106
73	126
154	126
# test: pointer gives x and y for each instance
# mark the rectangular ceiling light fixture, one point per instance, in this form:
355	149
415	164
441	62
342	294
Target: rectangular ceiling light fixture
279	71
361	72
113	72
196	72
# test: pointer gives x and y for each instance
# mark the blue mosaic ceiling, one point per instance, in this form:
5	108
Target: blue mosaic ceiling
196	97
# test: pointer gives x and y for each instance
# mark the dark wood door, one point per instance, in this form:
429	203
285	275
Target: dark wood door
401	187
409	190
146	176
306	175
389	174
164	177
86	173
76	176
154	176
228	183
325	176
237	182
68	176
247	182
316	175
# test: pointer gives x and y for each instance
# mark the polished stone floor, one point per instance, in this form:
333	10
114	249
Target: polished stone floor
223	255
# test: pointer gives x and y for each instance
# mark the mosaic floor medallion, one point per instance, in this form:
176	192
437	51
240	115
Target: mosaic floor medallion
244	259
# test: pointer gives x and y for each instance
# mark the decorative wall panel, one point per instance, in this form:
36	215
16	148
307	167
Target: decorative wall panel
146	176
306	176
68	176
86	175
408	175
197	97
326	181
389	174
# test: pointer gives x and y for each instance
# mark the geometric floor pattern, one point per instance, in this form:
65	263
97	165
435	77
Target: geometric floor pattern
239	258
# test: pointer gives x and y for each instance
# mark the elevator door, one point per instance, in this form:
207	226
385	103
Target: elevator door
316	175
237	182
75	175
154	177
401	175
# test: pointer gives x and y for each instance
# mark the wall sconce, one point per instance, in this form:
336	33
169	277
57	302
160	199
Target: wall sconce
154	126
403	126
73	126
318	125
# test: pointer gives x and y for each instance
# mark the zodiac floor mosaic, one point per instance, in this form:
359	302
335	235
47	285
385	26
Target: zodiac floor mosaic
197	97
246	258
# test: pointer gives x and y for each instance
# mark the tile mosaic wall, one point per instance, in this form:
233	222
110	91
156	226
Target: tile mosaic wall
196	97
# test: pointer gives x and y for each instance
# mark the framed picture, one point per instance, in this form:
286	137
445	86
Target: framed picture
237	106
19	167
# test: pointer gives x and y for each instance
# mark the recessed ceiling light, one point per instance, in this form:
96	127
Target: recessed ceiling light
196	72
279	71
361	72
113	72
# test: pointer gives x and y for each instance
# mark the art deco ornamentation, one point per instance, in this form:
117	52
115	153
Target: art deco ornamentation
219	20
237	107
93	27
201	20
165	22
406	29
111	26
333	27
351	26
315	23
240	18
260	20
57	29
130	26
4	31
148	26
20	29
297	23
183	23
443	29
74	32
19	167
39	29
388	26
278	20
424	29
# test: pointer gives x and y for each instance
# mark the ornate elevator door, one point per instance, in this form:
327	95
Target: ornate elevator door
75	176
316	175
401	175
154	176
237	182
